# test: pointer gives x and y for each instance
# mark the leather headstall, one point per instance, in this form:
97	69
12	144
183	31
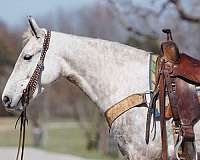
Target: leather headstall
28	93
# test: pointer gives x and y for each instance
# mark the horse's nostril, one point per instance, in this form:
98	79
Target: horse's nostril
6	100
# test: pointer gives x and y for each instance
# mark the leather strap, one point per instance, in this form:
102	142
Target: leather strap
162	115
171	90
123	106
151	111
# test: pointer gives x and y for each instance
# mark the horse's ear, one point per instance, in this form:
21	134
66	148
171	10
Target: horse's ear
34	27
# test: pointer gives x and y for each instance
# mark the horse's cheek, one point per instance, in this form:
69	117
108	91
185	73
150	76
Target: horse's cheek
50	74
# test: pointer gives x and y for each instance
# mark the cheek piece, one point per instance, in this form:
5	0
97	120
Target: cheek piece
28	93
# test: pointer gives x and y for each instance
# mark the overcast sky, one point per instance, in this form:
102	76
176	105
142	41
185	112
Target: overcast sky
13	12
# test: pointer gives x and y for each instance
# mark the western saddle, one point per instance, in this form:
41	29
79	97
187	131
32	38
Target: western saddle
177	74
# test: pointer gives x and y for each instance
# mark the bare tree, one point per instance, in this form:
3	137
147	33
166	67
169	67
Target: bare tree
146	21
184	15
129	15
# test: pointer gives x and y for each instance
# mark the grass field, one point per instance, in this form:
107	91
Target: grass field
68	139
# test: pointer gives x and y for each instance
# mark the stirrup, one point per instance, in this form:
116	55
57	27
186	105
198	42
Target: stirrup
177	146
195	150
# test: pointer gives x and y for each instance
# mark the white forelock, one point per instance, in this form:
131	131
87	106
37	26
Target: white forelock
26	36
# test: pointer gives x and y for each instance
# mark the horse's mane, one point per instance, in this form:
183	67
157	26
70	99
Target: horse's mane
26	36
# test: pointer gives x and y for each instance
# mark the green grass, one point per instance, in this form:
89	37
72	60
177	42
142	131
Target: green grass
9	135
10	138
68	140
71	141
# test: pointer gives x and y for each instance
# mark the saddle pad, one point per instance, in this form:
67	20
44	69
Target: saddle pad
152	71
152	82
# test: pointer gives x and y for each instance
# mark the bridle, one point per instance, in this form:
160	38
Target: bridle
28	93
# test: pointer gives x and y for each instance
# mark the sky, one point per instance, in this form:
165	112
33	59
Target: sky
13	12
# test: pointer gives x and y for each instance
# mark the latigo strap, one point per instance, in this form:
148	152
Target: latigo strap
162	114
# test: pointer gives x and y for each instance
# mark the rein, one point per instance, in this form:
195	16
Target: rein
28	93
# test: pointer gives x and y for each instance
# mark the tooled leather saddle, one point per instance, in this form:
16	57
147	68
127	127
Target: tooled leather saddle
176	77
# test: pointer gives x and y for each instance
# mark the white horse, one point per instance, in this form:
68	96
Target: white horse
106	71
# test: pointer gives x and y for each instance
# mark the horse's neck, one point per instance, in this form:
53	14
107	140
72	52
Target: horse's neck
106	71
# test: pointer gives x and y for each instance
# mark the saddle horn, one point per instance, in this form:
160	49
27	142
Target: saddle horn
169	50
169	34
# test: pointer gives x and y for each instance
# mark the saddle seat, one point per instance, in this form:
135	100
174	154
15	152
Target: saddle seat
170	52
169	49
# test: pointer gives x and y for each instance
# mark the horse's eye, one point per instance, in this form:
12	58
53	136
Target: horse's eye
40	50
27	57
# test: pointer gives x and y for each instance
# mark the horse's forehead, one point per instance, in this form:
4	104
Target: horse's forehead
32	44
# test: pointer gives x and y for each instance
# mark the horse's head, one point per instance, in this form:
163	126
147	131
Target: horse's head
25	66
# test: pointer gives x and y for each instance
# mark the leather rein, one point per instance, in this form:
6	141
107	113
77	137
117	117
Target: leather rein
28	93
